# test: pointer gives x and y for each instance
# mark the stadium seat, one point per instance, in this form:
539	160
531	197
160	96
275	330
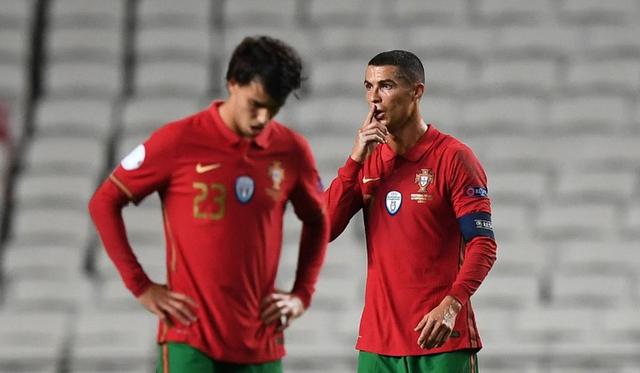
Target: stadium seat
113	341
83	79
171	78
599	257
176	44
443	42
62	226
94	13
54	295
613	41
577	221
521	257
74	117
14	46
328	13
337	77
256	12
595	152
43	261
508	291
143	115
513	187
17	14
351	42
575	114
98	45
501	114
523	76
32	342
534	42
590	12
556	323
443	111
65	156
447	75
588	290
35	191
631	225
166	13
614	76
520	12
511	222
621	323
339	115
444	12
596	186
14	80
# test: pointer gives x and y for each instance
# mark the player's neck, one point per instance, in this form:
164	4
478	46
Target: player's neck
407	134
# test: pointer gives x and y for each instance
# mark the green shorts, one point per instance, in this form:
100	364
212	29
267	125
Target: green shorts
448	362
182	358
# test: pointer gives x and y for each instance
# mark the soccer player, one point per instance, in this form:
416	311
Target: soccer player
427	219
224	176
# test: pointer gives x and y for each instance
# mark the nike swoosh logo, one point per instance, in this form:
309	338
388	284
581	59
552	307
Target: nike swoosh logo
368	180
200	168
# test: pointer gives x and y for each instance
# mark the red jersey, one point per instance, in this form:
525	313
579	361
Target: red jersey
417	209
223	199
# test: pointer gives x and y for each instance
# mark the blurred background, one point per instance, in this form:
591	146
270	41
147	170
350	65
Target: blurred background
546	92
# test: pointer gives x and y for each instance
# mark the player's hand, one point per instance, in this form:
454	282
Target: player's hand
281	307
436	326
371	133
164	303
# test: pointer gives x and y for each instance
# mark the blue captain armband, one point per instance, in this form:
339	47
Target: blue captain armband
476	224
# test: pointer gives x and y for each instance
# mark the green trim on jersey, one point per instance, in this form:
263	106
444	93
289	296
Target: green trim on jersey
449	362
182	358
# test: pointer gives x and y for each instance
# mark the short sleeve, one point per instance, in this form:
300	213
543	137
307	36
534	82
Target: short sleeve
147	167
468	183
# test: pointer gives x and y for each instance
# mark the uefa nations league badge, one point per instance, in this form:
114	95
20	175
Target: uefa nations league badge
245	187
393	202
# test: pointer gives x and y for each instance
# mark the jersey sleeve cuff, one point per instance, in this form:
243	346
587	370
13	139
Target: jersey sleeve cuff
460	295
350	169
139	288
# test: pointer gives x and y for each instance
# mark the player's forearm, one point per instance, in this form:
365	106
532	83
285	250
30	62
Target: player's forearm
343	198
313	247
105	208
478	260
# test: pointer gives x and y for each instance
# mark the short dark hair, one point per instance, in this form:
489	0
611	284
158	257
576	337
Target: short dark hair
409	65
275	64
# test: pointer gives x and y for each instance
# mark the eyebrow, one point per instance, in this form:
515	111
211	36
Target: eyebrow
382	81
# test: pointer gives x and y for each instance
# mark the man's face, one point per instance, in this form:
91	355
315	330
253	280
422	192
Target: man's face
395	98
252	108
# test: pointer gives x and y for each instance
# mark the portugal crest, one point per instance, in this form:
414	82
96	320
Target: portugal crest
276	173
424	178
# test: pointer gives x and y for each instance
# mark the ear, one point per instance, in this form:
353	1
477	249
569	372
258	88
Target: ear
419	90
232	86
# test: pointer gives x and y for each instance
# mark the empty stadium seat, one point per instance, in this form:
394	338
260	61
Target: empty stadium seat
496	12
74	117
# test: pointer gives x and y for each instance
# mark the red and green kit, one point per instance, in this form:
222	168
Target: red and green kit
429	234
223	199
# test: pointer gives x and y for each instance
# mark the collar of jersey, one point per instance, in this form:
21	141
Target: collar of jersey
418	150
230	137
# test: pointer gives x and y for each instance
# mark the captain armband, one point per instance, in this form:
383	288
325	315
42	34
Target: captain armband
476	224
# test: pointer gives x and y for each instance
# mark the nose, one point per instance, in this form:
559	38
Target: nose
374	97
263	116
